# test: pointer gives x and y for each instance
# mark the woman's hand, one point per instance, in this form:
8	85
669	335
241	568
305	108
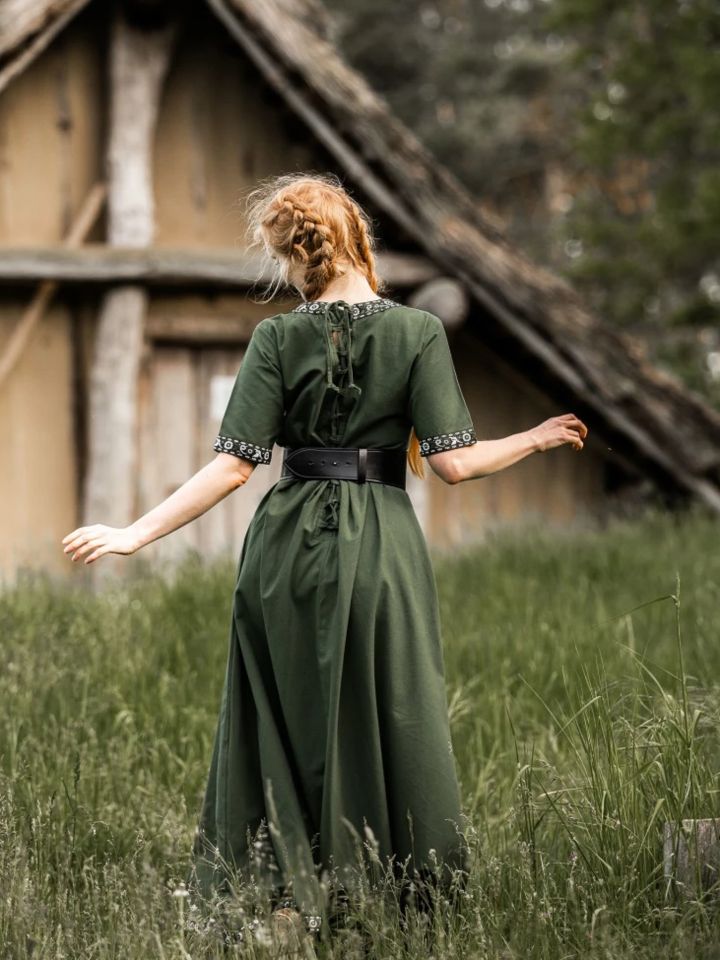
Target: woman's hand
567	428
202	491
95	541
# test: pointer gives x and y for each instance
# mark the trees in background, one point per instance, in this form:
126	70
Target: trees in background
590	129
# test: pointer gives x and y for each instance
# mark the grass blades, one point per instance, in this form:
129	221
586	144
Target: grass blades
583	687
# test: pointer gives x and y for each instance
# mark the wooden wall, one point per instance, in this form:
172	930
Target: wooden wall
37	443
554	488
184	390
50	136
218	134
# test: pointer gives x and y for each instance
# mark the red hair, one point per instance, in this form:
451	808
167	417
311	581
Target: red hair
311	222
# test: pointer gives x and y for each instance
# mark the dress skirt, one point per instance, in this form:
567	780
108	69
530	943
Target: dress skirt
333	735
333	746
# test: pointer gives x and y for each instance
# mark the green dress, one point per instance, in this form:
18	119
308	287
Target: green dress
333	734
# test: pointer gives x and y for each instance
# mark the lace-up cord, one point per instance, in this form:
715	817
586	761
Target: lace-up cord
330	518
339	319
338	357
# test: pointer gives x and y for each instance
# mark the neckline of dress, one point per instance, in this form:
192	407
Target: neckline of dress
362	308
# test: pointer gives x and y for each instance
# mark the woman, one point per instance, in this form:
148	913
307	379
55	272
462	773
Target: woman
333	730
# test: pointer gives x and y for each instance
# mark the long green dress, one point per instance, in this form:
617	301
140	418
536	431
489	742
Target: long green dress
333	730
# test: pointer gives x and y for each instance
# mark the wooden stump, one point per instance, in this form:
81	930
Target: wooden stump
691	855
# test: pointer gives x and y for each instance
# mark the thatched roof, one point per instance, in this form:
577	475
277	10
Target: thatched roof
650	419
27	27
649	416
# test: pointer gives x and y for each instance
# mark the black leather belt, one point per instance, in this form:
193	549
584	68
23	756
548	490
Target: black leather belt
361	464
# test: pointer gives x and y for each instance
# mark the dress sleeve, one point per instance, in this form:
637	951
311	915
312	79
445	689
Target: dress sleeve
253	418
437	407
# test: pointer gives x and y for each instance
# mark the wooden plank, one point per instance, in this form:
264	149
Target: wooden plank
50	127
200	329
37	479
33	314
167	431
223	527
97	263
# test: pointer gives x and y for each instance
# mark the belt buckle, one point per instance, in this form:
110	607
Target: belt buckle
362	464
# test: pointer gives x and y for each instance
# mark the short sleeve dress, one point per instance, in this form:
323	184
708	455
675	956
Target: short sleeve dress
333	727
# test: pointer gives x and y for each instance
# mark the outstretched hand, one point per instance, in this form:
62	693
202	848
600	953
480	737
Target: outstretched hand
94	542
567	428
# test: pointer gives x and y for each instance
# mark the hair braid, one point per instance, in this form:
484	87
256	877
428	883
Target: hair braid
363	241
311	241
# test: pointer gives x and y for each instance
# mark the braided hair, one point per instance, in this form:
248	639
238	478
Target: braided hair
311	221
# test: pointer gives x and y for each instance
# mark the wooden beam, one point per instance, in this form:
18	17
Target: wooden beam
138	61
20	335
200	330
33	38
446	298
101	264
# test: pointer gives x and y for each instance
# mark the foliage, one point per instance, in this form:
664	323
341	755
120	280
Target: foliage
584	707
471	79
647	137
589	128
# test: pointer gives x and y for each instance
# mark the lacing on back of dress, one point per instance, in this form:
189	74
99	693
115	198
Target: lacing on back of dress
341	391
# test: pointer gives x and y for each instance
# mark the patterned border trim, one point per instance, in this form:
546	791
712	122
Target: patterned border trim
257	931
358	310
447	441
312	921
242	448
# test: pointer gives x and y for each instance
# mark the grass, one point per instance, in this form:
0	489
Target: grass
583	687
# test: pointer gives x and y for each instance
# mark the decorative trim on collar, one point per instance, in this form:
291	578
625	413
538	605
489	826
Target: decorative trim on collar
357	310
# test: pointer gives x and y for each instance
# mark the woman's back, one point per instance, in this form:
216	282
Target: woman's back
329	373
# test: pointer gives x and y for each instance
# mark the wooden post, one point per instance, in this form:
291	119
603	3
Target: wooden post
139	59
691	860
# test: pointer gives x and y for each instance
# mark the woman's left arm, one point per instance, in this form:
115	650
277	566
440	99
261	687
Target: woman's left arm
196	496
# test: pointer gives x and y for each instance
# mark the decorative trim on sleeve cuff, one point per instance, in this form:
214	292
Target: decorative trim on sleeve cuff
243	448
447	441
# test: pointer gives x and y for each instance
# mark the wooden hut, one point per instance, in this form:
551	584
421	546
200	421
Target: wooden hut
127	135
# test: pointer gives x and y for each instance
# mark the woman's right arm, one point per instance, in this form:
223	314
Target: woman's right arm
211	484
484	457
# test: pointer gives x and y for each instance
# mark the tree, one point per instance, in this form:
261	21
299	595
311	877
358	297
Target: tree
590	127
647	136
472	81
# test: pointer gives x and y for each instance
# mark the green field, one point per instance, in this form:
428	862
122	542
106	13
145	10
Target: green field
583	685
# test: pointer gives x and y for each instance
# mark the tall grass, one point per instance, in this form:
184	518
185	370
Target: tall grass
584	698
